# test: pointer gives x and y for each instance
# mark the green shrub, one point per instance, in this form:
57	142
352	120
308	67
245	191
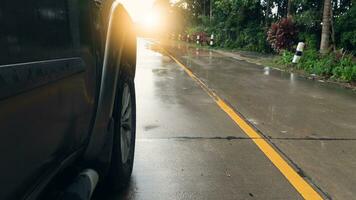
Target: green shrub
330	65
250	39
324	65
310	40
345	69
196	29
286	57
308	60
282	35
313	63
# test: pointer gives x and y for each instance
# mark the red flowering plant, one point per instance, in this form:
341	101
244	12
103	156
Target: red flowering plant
203	37
282	35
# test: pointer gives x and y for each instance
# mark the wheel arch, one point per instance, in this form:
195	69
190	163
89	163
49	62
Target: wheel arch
119	56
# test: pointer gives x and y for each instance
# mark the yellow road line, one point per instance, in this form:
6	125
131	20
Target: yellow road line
303	187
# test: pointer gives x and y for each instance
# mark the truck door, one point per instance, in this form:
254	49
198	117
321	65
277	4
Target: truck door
47	86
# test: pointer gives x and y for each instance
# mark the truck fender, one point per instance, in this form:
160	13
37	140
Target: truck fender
98	152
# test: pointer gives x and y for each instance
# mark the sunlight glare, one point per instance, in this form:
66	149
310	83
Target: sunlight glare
147	15
151	20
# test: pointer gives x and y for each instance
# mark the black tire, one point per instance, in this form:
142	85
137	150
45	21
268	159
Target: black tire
122	161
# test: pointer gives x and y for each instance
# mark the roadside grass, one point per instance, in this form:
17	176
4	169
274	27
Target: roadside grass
334	68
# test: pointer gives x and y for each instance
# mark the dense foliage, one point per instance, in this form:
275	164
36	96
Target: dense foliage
268	26
244	24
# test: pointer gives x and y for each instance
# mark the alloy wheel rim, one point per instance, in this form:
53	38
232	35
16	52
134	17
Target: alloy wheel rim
125	125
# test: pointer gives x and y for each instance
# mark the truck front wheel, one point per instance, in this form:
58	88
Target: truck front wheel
125	133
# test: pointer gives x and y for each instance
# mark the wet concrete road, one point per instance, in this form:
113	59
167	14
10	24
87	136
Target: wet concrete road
313	124
188	148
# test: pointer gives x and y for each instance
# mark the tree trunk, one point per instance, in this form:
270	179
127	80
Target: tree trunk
211	9
289	8
325	32
267	12
332	29
204	7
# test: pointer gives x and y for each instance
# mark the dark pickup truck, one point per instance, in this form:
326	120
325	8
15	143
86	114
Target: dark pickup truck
67	95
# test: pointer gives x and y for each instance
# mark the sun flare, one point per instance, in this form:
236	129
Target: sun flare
148	15
151	20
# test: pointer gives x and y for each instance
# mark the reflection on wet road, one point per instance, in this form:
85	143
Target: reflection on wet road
188	148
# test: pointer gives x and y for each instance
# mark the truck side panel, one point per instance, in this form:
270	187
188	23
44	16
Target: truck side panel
47	88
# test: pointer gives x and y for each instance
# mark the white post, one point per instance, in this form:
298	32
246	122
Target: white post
198	38
298	53
212	40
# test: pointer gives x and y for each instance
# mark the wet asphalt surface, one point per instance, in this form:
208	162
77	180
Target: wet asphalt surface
188	148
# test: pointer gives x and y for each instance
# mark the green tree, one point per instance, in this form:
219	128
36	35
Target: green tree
243	23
